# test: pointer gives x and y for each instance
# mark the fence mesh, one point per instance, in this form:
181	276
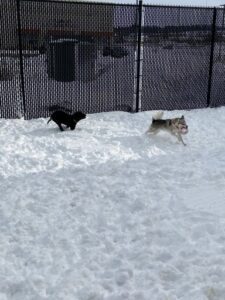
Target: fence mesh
83	56
80	59
10	77
177	43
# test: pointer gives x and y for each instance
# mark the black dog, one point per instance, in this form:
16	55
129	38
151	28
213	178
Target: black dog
60	117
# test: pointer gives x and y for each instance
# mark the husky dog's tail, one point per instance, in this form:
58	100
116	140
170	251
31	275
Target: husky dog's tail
158	115
49	120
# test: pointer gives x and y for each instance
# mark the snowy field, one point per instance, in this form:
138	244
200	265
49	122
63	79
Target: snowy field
107	213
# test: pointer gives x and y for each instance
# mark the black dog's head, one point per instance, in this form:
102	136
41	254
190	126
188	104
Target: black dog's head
77	116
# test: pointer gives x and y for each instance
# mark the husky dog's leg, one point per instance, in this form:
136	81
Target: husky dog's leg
149	130
180	138
152	130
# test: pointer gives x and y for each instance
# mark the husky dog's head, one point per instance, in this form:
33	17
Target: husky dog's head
180	125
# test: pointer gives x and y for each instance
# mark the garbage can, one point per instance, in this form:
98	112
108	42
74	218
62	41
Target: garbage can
61	60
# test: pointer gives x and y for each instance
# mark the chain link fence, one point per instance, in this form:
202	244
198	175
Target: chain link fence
99	57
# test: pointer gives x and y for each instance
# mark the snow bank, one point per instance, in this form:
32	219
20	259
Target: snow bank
107	213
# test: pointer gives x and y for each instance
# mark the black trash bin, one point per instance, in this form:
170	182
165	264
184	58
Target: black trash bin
61	60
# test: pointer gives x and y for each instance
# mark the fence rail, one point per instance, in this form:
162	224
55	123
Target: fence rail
99	57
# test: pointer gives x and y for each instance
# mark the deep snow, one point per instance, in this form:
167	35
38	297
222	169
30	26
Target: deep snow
106	212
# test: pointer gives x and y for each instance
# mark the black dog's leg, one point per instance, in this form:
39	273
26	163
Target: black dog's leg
72	127
60	126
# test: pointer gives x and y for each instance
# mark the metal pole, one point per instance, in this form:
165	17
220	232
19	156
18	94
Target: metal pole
222	30
211	56
140	6
21	55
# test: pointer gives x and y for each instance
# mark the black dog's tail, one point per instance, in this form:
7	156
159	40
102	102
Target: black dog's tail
49	120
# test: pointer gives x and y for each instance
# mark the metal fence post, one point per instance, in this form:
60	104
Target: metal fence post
21	56
211	57
139	58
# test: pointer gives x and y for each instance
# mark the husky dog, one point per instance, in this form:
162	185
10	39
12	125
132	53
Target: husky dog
176	126
60	117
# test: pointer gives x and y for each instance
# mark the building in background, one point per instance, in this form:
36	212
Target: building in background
44	21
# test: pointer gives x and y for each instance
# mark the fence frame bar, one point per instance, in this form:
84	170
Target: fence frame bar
21	57
140	6
211	57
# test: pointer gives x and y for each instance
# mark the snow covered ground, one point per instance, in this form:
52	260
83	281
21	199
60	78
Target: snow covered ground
107	213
